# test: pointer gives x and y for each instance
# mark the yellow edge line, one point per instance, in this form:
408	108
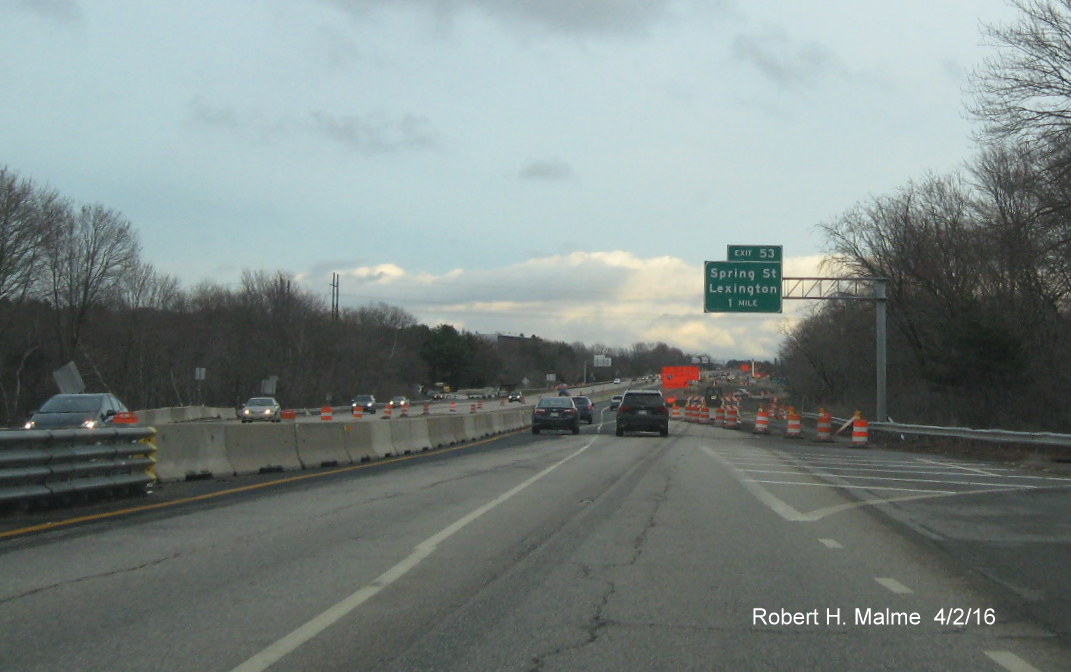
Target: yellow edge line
245	488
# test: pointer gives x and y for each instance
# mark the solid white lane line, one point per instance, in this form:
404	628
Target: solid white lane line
957	466
830	543
1010	486
860	487
895	586
1011	662
276	651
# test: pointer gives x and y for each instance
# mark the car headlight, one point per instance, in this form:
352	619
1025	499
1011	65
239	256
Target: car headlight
245	411
268	411
89	424
29	425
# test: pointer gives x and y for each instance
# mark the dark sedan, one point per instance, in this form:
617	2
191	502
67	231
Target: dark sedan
585	408
76	410
555	413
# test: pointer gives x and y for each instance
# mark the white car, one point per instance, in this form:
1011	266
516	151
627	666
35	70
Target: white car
615	401
266	409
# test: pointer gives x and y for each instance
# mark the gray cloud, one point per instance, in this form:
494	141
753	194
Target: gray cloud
371	134
546	170
575	17
376	134
786	63
67	12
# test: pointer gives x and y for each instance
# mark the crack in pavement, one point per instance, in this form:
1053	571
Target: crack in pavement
598	621
81	579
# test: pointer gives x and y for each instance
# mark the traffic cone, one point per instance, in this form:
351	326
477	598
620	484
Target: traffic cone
125	418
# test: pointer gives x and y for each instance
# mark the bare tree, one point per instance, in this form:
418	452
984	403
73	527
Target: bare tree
87	257
1024	93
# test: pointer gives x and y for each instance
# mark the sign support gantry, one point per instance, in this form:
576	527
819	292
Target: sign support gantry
851	289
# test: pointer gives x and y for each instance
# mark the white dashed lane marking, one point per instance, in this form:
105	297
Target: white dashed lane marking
1011	662
894	585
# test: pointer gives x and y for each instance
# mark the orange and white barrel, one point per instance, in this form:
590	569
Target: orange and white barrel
387	411
453	406
719	416
762	421
327	413
860	430
824	427
794	428
358	411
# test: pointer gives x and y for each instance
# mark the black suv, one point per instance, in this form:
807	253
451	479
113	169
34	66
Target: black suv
643	411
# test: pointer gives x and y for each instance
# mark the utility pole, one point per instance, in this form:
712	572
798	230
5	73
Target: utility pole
334	295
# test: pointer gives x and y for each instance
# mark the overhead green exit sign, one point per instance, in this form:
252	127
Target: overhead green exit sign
742	286
754	253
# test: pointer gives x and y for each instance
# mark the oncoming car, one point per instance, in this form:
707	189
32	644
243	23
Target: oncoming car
366	402
260	408
555	413
87	411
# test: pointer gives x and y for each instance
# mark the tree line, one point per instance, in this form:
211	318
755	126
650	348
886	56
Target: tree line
74	288
978	262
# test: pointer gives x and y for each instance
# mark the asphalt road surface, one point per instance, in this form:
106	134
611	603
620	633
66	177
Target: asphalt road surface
707	550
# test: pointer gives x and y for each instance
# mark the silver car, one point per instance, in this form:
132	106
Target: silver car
260	408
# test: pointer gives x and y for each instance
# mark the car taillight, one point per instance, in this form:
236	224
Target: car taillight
540	411
570	411
624	409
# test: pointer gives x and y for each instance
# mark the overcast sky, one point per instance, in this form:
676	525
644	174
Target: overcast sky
557	167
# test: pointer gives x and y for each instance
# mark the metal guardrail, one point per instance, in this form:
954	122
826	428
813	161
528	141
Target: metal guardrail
991	435
40	464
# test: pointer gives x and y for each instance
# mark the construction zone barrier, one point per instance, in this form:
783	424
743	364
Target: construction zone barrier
719	416
387	411
191	452
860	430
327	413
824	427
321	445
358	412
762	421
794	428
732	418
195	451
288	414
